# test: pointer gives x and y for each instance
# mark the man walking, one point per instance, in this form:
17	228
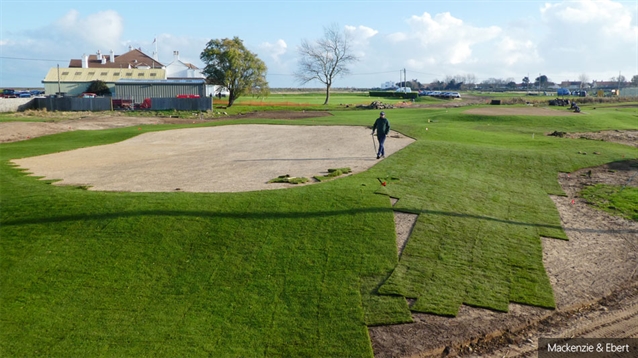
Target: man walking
382	127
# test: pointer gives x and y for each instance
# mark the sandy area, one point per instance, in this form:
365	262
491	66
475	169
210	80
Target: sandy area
214	159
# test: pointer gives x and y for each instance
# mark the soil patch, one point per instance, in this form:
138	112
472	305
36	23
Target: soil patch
17	131
627	137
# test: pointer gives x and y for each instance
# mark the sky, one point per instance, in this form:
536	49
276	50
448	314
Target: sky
430	40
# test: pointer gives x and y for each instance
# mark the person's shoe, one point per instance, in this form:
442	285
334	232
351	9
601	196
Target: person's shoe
383	156
378	157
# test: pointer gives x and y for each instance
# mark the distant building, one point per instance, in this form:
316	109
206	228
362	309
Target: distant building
134	58
608	85
388	85
180	69
573	85
74	81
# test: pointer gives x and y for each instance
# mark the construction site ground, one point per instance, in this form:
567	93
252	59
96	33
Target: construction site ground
594	274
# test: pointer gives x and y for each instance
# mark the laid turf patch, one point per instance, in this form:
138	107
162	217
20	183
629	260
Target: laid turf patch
614	199
382	309
333	173
477	238
288	179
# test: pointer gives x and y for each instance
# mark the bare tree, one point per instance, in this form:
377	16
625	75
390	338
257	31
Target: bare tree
325	59
583	78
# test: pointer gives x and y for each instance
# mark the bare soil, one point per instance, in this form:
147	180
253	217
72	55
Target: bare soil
63	122
594	274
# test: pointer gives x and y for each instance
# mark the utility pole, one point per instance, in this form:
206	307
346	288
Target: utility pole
59	91
405	79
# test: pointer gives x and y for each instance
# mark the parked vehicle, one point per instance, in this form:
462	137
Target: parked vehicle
8	93
404	89
563	92
88	95
24	94
122	104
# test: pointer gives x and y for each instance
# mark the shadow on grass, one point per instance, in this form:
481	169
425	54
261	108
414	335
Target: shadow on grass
282	215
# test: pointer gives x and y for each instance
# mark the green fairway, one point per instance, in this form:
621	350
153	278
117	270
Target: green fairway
295	272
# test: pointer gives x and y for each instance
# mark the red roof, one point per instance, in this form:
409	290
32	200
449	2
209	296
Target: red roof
134	58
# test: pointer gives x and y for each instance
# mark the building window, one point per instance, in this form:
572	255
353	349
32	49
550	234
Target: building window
116	73
78	73
91	73
129	74
153	74
66	73
103	73
140	74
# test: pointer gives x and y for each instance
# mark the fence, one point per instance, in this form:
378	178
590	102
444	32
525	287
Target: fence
182	104
15	104
73	104
104	104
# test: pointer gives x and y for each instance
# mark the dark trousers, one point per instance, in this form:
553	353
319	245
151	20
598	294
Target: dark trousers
381	152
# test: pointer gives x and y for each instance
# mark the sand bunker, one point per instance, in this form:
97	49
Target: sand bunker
230	158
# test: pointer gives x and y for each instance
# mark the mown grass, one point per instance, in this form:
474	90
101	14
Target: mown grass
295	272
614	199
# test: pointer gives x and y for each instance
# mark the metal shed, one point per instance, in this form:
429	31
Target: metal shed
137	90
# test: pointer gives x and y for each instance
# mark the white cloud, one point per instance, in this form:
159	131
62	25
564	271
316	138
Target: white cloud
592	36
102	29
276	50
444	38
513	51
360	34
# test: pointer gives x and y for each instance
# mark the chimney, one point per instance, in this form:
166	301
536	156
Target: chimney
130	48
103	60
99	55
112	58
175	55
85	61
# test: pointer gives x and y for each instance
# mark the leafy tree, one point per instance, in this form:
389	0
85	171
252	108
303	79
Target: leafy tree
99	88
229	64
634	80
541	81
325	59
526	82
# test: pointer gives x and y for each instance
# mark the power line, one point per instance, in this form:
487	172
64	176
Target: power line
30	59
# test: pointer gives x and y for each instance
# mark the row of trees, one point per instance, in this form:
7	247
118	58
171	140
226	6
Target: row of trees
231	65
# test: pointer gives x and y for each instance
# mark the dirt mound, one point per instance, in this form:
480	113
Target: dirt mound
628	137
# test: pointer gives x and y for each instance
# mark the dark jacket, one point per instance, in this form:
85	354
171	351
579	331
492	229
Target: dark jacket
381	126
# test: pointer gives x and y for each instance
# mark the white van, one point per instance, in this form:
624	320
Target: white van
404	89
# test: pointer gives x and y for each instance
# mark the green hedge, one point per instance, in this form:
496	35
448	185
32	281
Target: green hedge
394	94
